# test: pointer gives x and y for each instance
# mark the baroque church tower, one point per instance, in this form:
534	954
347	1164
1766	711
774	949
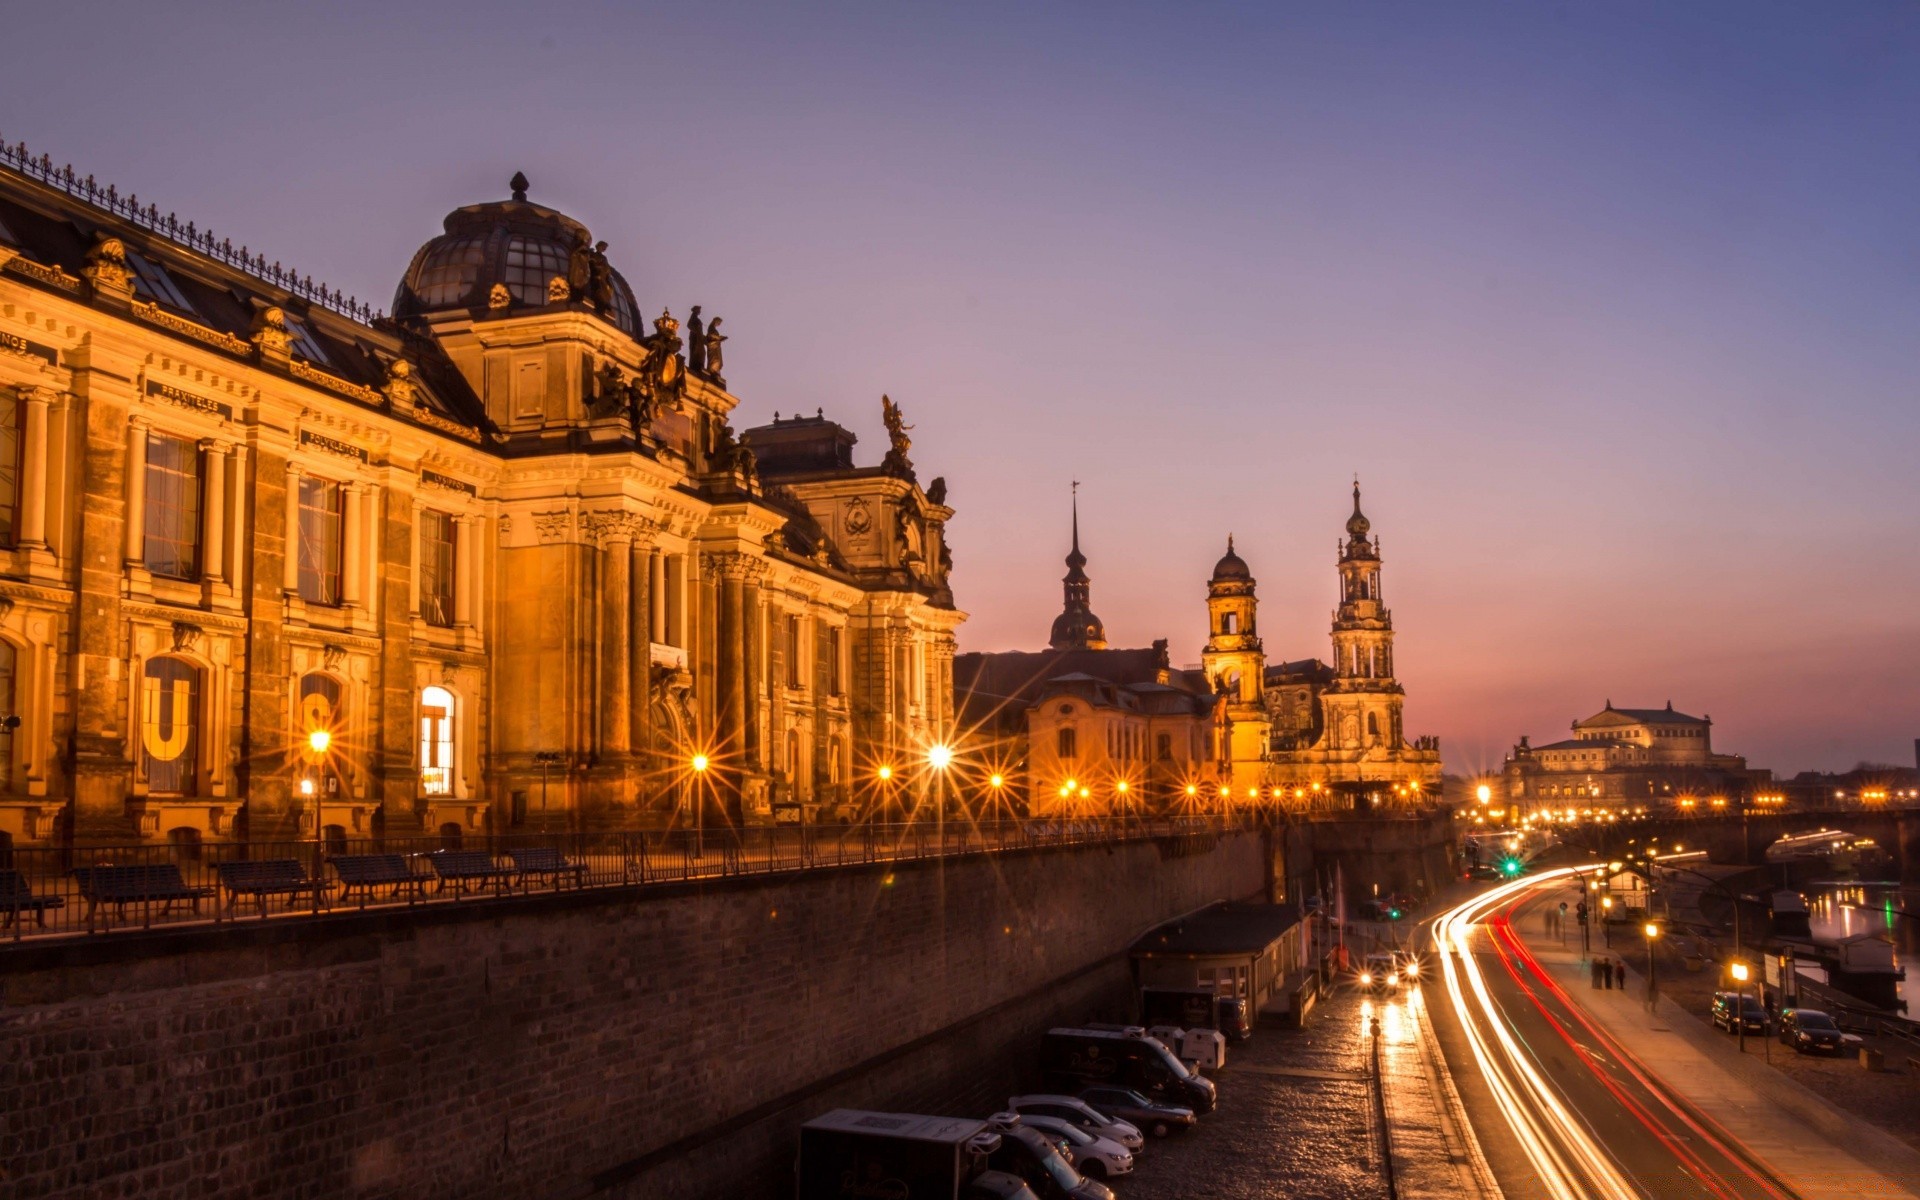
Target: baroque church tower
1363	703
1076	628
1235	665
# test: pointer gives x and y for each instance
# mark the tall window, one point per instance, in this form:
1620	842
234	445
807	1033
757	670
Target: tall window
436	568
10	407
169	726
836	684
173	507
1163	746
436	742
6	709
322	520
1069	743
319	707
794	677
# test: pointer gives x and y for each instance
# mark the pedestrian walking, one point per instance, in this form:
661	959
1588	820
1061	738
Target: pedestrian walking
1593	974
1606	975
1620	975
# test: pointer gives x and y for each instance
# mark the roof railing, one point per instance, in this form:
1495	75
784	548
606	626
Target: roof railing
16	156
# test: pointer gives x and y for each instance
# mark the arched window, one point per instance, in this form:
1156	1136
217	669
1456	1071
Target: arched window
170	726
320	706
7	667
1373	725
185	844
1069	743
1163	746
436	742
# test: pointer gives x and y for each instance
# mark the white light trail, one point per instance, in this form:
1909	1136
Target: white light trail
1570	1164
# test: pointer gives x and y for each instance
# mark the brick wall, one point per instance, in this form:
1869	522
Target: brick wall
664	1044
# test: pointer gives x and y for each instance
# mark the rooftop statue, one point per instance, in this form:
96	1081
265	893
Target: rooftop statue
710	351
696	343
896	462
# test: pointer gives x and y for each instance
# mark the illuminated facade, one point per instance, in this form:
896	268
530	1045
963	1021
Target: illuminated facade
502	547
1078	719
1631	757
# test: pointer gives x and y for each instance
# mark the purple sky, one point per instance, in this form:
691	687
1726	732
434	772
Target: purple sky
1614	308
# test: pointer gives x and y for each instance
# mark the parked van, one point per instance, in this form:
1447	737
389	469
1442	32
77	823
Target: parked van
1074	1058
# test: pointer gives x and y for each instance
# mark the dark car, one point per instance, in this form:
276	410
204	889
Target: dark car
1750	1013
1125	1104
1483	871
1810	1031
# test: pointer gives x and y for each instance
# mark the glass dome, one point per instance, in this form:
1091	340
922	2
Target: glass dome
512	242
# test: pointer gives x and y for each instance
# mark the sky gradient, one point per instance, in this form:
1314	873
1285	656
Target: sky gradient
1613	308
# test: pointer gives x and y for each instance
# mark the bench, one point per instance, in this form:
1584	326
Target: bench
266	877
366	872
546	861
148	884
17	896
463	867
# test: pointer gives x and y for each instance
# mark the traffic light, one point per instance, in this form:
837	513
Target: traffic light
1510	866
1393	914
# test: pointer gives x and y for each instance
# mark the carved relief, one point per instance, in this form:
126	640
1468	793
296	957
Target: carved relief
552	527
399	386
499	297
186	638
270	335
332	656
106	265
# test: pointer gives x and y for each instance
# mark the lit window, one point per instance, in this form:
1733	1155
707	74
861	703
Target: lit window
172	544
1069	743
6	701
436	568
436	742
169	720
151	280
10	407
322	519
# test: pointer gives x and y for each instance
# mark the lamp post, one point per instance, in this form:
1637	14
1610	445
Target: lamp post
1606	911
940	757
319	741
1740	973
1653	988
699	763
546	759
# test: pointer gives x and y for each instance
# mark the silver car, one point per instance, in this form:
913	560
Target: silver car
1081	1115
1094	1155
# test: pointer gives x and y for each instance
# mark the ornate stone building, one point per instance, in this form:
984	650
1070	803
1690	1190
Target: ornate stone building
1073	722
1305	726
1628	757
496	560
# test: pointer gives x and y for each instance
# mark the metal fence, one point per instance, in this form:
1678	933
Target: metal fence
100	890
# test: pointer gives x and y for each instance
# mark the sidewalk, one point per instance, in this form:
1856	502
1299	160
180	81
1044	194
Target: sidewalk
1819	1150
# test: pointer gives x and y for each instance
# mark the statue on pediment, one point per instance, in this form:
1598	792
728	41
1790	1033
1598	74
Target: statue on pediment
896	461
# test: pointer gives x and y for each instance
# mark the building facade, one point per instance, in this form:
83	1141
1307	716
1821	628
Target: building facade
1628	757
1077	721
272	563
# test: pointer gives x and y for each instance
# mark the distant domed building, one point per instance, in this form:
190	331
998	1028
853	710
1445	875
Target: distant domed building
504	546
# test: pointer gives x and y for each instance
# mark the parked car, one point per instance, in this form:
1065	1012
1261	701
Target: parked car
1810	1031
1483	871
1080	1115
904	1156
1072	1058
1379	973
1750	1013
1128	1105
1030	1155
1094	1156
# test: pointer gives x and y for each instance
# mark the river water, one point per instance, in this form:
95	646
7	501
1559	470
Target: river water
1885	910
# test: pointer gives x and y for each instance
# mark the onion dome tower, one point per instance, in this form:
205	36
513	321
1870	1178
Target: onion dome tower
1076	628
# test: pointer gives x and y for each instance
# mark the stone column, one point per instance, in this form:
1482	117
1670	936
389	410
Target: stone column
137	492
657	596
413	535
238	547
354	549
463	576
33	468
213	511
676	607
616	667
643	601
290	567
730	734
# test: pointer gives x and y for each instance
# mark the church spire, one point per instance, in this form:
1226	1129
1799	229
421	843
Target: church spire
1076	628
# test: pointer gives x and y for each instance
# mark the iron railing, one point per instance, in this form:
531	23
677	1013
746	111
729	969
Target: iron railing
56	893
148	216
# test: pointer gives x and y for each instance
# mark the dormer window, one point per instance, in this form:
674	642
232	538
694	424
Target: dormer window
151	281
305	345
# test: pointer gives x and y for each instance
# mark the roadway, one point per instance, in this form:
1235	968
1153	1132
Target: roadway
1561	1107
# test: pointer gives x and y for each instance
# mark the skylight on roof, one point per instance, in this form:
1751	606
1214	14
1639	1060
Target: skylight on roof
151	280
304	343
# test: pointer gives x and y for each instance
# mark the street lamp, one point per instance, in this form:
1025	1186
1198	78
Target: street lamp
1653	991
546	759
940	757
1483	793
699	763
1606	925
1740	973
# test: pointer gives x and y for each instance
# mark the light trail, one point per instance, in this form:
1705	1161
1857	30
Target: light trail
1570	1164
